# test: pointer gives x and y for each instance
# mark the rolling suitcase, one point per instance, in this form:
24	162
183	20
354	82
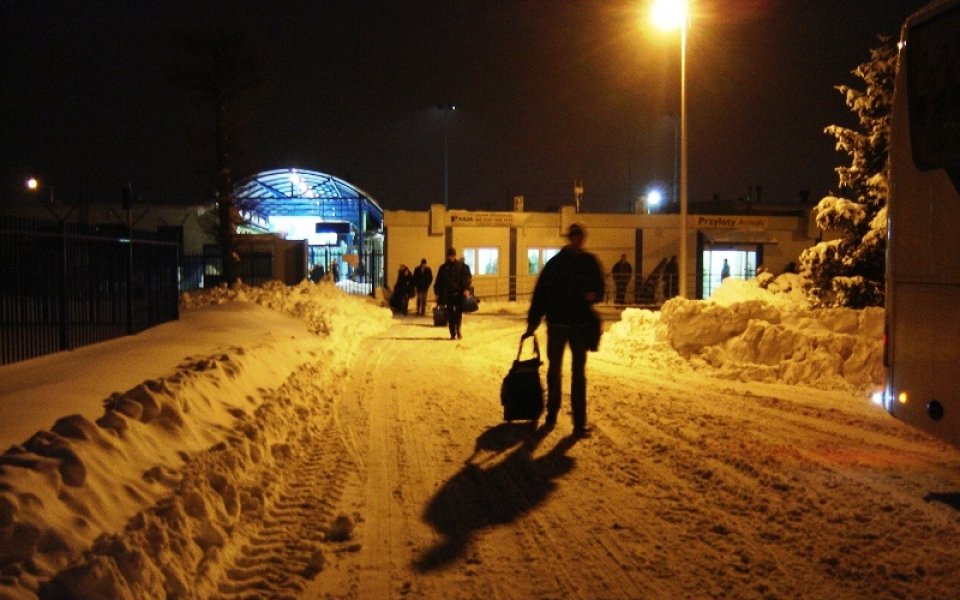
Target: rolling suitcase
439	315
521	393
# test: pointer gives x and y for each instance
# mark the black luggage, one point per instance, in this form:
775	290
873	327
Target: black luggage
521	393
439	315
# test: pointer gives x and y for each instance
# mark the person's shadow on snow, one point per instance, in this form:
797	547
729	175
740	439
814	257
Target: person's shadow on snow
951	499
480	496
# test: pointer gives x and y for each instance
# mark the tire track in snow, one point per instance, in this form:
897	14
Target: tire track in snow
372	420
285	549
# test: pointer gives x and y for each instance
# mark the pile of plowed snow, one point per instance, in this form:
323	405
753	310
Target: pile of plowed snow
749	333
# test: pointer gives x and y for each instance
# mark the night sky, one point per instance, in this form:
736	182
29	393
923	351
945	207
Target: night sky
548	92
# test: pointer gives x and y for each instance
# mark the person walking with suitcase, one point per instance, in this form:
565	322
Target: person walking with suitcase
571	282
451	287
422	278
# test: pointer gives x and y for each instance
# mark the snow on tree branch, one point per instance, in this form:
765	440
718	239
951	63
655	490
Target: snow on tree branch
849	270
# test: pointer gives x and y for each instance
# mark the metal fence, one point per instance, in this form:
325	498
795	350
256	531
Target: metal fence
64	286
650	292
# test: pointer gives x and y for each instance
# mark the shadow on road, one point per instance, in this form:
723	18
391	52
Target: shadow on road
478	497
951	499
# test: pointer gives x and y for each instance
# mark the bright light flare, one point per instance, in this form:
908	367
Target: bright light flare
654	198
903	398
877	397
33	184
669	15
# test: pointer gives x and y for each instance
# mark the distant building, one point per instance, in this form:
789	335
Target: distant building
342	225
506	250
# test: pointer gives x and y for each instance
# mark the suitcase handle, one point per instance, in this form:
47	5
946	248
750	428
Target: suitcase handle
536	346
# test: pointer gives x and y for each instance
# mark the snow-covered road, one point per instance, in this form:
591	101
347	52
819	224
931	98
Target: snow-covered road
691	487
341	453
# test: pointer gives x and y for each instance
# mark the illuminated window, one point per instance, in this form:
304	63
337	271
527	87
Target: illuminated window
482	261
537	257
742	265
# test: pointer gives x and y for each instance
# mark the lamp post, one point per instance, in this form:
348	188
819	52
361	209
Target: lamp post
671	14
446	109
34	185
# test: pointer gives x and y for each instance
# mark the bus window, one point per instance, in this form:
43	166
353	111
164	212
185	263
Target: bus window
933	88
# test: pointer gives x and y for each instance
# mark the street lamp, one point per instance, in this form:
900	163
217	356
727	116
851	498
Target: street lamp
447	109
33	184
654	197
670	15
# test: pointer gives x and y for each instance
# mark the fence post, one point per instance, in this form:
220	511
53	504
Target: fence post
129	275
126	201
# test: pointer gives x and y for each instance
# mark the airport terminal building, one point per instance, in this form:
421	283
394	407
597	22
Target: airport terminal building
507	250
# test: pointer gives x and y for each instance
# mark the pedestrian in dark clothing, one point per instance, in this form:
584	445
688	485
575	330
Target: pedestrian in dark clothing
452	285
671	276
571	282
724	270
335	271
316	273
422	278
622	271
402	290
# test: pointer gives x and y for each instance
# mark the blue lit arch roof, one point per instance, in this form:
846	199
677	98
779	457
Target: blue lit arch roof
305	193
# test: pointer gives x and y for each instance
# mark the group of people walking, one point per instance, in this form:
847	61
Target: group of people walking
567	288
453	285
570	283
411	284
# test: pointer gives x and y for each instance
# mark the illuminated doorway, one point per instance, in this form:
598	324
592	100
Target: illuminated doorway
741	260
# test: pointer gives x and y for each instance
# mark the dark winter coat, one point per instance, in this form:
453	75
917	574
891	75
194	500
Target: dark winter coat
622	272
422	278
561	291
453	279
404	285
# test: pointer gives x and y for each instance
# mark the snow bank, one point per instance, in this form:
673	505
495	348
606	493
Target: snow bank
139	503
320	305
750	333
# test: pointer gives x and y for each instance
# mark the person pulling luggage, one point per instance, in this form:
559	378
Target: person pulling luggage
570	283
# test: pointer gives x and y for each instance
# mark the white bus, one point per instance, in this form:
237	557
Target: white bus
922	350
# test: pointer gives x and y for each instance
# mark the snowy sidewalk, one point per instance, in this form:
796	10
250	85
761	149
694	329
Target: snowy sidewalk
35	393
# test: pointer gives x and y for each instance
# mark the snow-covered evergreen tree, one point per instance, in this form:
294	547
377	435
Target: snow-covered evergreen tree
849	270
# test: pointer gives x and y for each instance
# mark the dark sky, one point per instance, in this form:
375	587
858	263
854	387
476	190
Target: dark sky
548	92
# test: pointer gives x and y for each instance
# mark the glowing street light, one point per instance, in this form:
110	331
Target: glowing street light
654	198
34	185
670	15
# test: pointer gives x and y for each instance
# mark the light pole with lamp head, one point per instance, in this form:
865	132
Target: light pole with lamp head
34	185
670	14
446	109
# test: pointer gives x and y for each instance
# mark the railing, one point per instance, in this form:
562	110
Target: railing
65	286
648	294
